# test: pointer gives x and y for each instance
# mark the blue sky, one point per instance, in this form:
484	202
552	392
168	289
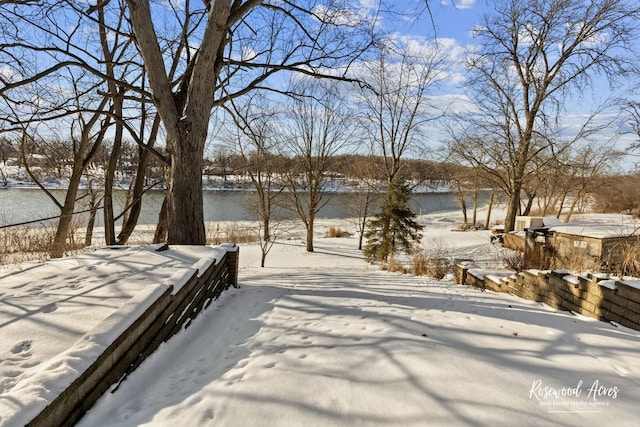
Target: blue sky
452	18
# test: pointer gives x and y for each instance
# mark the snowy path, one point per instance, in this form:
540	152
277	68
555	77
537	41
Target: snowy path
324	340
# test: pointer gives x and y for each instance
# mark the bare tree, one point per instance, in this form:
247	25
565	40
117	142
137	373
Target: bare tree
362	204
146	154
232	48
395	111
85	145
257	143
318	128
590	164
110	52
6	149
88	79
197	56
468	182
631	111
394	103
548	179
531	56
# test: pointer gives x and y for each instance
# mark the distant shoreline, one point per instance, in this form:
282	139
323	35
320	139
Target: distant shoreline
421	189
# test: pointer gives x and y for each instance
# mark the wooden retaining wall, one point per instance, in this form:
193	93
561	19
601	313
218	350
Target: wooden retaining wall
167	315
593	295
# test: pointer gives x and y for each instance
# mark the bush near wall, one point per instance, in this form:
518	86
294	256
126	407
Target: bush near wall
594	295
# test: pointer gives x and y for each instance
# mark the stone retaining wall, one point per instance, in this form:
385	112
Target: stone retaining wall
170	312
594	295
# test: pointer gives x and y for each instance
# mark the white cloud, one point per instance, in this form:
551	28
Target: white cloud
459	4
248	54
448	53
8	74
369	4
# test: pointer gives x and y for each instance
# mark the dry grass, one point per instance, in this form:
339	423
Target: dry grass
419	264
24	243
630	265
394	266
333	231
631	262
577	262
19	244
433	266
232	233
434	262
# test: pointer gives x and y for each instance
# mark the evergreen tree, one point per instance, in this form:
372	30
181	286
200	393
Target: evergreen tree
394	229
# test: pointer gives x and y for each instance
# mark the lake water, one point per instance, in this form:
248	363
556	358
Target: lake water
26	204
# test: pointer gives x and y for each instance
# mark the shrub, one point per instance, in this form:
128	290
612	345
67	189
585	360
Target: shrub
618	193
419	264
630	260
514	260
22	243
393	265
432	266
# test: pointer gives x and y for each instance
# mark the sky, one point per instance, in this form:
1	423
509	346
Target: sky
451	21
451	18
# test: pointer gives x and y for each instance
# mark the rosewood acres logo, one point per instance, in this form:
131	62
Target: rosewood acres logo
581	398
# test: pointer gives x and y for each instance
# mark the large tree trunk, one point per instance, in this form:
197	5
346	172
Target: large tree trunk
66	213
513	205
162	227
185	116
58	245
185	205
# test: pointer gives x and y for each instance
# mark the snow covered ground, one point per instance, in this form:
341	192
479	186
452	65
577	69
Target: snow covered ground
57	317
324	339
